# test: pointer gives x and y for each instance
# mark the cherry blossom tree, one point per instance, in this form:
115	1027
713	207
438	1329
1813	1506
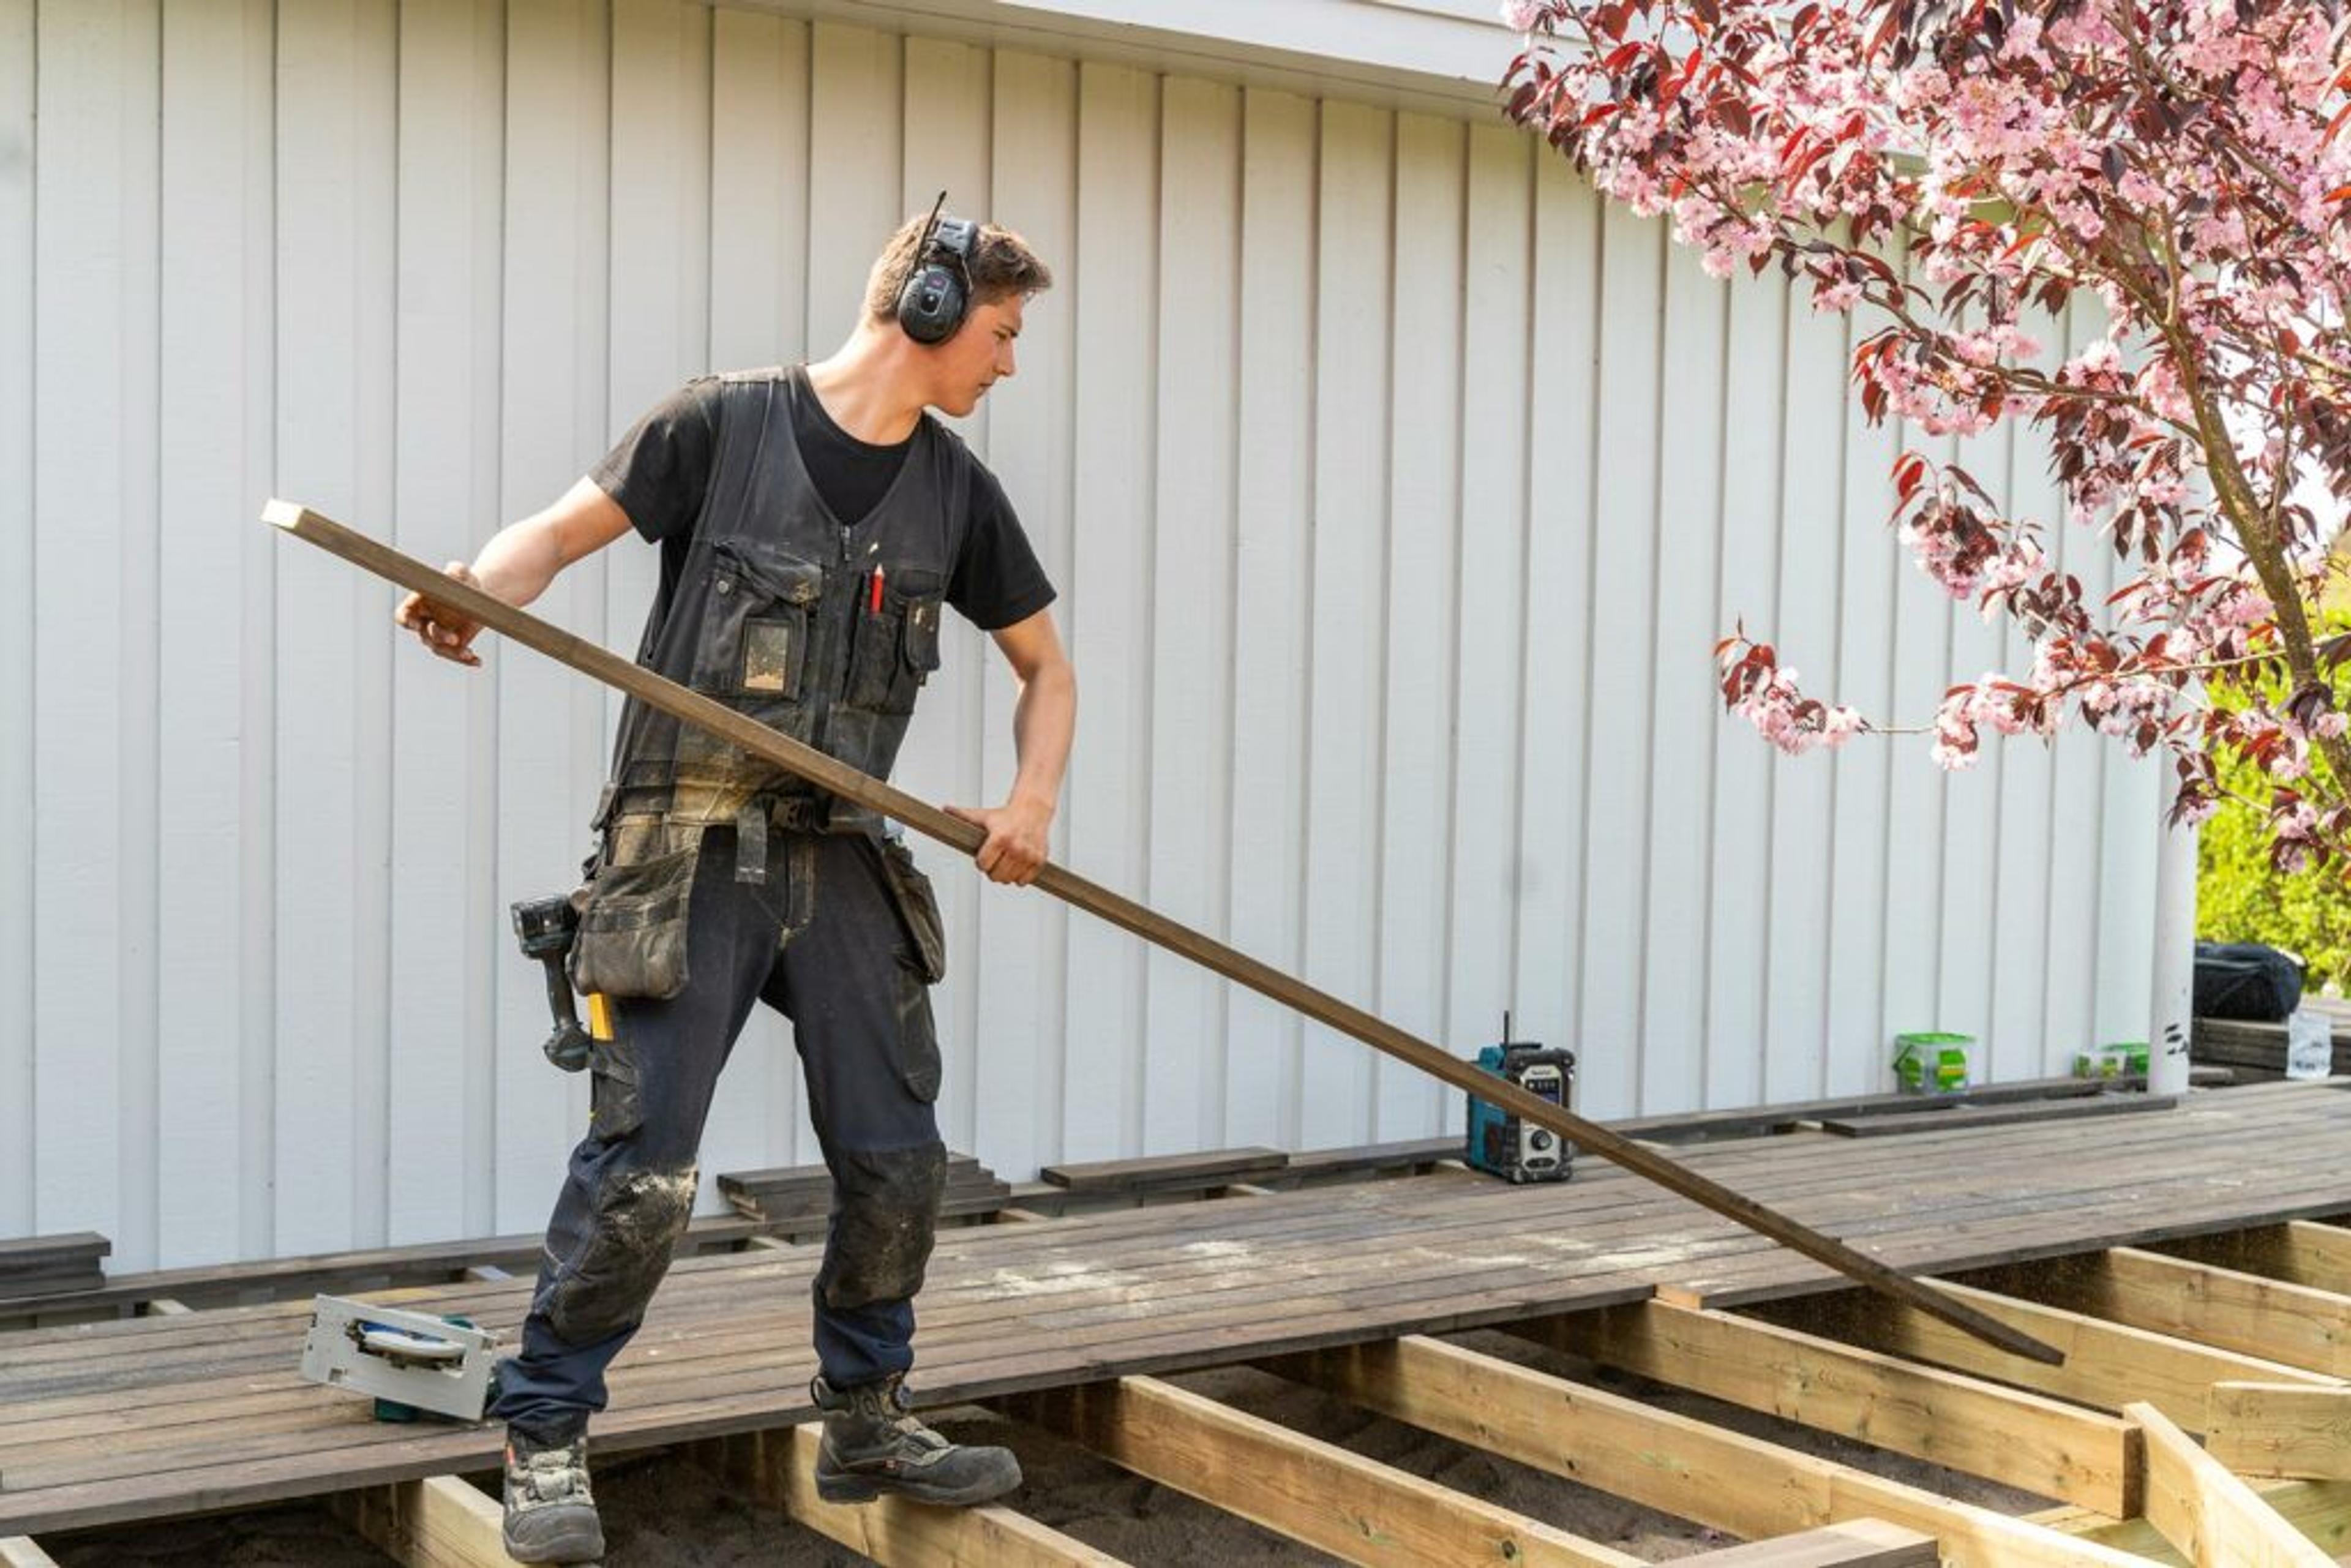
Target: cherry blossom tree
1957	171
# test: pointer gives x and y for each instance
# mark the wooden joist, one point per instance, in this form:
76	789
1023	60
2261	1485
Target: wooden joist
2225	1308
2301	1252
1314	1493
438	1522
777	1468
2025	1441
2321	1510
2108	1364
2214	1517
1858	1543
22	1551
1688	1468
2281	1430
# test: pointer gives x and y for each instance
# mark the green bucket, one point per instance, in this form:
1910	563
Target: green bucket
1933	1062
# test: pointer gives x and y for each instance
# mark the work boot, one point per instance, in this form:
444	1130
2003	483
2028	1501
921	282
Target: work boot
872	1446
550	1517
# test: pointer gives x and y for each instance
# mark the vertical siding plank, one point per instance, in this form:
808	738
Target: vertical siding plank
1971	808
553	415
2132	795
856	171
758	135
1353	288
1490	596
1563	404
1682	748
947	122
1747	587
93	533
1917	792
2021	933
2076	793
1616	816
318	605
137	715
1191	670
377	287
1796	1050
1423	564
451	147
256	910
80	502
18	673
213	358
1109	620
1859	772
1272	592
1019	960
758	315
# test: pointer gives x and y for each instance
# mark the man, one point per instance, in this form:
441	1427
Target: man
811	521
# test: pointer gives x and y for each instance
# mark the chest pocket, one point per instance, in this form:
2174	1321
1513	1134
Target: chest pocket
757	624
896	649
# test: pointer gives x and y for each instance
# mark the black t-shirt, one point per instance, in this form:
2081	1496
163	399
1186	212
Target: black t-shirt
662	467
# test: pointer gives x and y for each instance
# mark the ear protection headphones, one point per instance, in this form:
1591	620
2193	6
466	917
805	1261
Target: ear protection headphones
938	290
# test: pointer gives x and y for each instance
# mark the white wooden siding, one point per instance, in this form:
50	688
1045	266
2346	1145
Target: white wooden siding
1395	488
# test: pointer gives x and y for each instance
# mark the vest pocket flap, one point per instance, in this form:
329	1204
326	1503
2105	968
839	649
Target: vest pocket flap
632	937
771	574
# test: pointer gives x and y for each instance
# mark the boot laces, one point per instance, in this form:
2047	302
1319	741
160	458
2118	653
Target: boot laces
552	1475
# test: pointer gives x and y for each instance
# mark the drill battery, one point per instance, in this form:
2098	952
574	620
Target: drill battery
1499	1142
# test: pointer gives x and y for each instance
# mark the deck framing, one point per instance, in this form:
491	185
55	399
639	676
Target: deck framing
2184	1305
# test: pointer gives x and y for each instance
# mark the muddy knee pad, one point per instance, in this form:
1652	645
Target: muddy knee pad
886	1215
640	1215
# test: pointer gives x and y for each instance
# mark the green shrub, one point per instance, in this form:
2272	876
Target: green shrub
2240	898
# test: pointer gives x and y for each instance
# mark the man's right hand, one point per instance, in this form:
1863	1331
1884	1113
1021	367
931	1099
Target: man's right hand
438	627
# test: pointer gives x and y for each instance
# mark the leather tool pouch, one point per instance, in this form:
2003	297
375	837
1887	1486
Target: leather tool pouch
633	923
918	911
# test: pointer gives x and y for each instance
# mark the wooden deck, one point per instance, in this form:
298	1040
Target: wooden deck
164	1415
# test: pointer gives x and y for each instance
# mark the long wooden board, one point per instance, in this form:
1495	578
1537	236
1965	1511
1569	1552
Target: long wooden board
849	784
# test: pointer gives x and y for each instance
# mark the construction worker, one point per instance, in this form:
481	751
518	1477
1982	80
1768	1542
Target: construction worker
812	522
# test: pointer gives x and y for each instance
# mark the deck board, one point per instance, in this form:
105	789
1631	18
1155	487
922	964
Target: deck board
157	1417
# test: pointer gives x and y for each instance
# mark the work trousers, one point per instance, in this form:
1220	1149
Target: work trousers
830	931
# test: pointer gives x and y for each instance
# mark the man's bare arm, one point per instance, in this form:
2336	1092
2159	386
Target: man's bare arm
1043	722
517	564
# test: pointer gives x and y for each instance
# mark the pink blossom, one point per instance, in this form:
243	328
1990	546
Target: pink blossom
1945	179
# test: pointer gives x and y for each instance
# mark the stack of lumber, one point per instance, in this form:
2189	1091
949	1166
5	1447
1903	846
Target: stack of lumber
794	1198
2258	1048
53	1265
1155	1174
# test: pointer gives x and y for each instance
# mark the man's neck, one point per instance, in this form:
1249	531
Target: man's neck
870	386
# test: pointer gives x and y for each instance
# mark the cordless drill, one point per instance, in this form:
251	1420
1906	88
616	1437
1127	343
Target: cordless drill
545	927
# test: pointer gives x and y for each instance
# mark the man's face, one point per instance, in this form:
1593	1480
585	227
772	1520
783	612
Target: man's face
977	357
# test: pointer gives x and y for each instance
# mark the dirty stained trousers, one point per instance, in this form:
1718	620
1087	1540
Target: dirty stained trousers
820	933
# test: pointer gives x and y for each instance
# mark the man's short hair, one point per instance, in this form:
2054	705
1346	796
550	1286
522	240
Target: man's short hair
1002	265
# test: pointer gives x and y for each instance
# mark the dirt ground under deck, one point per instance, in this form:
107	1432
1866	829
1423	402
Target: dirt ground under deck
662	1513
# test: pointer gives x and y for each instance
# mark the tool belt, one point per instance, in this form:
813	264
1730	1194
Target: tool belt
635	905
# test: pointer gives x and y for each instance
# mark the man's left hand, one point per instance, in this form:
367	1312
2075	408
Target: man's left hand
1016	848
